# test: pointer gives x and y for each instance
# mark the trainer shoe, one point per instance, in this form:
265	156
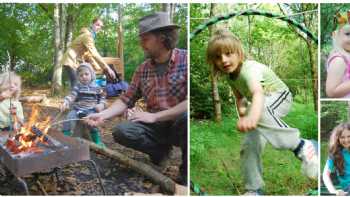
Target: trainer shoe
257	192
308	154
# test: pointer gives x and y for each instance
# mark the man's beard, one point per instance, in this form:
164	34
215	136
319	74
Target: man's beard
149	55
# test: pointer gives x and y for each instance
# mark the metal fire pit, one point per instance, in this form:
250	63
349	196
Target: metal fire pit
66	150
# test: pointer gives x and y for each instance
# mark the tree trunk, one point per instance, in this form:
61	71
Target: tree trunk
213	77
169	7
249	34
120	40
172	11
166	7
57	73
313	64
62	25
69	26
12	60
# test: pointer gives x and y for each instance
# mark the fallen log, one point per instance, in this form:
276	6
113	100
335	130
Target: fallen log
166	184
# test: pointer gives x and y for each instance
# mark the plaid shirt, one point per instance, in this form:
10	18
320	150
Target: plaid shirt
159	92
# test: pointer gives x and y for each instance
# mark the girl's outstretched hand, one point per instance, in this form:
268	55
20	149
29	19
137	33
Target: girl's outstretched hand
246	123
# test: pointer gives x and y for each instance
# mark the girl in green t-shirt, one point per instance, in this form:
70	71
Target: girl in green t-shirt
269	99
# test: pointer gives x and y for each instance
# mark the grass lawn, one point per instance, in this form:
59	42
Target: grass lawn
215	162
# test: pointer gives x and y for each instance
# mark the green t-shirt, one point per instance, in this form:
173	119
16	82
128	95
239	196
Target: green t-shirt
252	70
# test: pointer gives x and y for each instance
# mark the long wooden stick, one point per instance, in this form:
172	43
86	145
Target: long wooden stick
41	187
166	183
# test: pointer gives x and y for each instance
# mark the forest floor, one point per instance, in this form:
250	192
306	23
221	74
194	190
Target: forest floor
117	178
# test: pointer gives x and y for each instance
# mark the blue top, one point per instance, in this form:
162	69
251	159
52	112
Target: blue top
344	180
93	33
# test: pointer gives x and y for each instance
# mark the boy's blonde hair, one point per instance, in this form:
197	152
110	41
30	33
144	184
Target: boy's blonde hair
6	78
221	42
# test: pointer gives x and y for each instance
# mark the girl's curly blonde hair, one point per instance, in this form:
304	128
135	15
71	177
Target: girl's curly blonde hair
5	82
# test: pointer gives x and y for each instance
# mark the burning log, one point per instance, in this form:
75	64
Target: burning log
26	138
30	136
13	145
39	133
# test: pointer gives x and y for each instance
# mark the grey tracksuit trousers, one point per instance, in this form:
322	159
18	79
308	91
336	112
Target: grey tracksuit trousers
270	129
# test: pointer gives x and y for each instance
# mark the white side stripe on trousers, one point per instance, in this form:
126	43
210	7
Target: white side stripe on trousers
275	104
278	120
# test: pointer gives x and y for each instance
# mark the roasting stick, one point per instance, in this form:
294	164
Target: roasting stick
62	121
57	117
73	119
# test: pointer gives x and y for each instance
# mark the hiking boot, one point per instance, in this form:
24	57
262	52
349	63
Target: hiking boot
96	138
161	157
257	192
308	154
157	158
67	132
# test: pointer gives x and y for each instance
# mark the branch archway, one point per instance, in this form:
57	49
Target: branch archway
251	12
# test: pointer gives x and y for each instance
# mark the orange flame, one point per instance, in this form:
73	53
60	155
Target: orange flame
26	138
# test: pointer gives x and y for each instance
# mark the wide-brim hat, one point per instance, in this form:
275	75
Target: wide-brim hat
158	20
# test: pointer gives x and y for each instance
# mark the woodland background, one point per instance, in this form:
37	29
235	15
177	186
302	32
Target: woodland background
35	36
215	142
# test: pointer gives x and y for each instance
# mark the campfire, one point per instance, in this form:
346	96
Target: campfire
31	137
31	149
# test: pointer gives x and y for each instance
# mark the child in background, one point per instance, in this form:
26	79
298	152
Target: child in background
338	63
260	120
85	98
11	110
338	161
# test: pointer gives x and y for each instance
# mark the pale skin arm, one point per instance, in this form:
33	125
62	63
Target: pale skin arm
117	108
250	121
169	114
326	175
335	87
241	108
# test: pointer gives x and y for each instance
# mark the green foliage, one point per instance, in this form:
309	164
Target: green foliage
303	117
28	35
332	113
266	40
214	145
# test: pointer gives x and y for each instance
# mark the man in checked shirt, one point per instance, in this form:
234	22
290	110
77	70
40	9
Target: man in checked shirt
161	80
